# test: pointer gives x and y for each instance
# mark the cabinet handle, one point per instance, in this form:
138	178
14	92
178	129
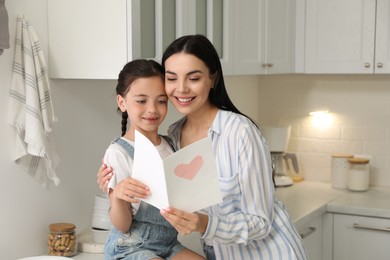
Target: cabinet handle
379	65
267	65
367	65
358	226
308	232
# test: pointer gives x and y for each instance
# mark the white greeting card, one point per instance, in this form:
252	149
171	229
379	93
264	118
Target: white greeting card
186	180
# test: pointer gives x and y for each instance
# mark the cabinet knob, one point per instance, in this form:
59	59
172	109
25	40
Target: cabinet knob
267	65
379	65
367	65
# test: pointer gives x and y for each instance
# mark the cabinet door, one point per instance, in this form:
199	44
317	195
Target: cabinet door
247	47
356	237
87	39
283	31
382	43
311	233
340	36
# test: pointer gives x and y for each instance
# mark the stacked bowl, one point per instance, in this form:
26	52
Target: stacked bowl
101	223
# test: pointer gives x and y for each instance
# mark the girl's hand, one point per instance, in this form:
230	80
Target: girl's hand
130	190
185	223
103	177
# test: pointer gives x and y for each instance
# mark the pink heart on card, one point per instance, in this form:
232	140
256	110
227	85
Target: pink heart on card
189	171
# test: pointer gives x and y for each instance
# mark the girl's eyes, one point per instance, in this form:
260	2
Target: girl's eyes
162	101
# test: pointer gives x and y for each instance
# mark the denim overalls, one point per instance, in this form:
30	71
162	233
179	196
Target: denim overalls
150	235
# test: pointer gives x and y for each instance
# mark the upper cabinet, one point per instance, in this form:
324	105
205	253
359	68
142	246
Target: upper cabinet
268	36
347	36
93	39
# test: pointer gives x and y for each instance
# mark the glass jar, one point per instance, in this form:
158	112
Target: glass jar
358	174
340	167
62	240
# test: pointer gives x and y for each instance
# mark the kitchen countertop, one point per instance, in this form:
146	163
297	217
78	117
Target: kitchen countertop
372	203
308	199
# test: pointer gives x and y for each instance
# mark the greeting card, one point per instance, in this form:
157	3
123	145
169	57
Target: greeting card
186	180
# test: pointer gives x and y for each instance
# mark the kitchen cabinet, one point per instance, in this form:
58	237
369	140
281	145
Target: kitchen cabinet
360	237
94	39
267	37
347	36
311	232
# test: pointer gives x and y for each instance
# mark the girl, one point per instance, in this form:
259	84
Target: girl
139	231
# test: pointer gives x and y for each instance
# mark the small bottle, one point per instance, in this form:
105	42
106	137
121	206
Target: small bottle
340	167
358	174
62	240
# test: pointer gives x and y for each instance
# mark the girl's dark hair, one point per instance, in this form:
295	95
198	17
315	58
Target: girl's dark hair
132	71
203	49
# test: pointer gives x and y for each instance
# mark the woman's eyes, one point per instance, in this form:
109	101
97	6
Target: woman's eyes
141	101
190	79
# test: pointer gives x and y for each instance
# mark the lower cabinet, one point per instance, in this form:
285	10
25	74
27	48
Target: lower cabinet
311	232
360	238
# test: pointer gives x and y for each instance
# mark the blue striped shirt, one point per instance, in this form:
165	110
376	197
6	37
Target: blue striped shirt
250	223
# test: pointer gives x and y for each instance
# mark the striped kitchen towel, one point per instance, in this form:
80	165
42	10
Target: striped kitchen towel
30	107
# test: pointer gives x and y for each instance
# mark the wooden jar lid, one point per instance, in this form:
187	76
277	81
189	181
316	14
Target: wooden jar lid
358	160
58	227
342	155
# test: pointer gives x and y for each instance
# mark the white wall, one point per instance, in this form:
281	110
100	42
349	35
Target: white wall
88	121
360	106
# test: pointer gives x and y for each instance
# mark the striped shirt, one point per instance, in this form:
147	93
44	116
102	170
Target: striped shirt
250	223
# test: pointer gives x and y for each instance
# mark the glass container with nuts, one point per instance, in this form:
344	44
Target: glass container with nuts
62	240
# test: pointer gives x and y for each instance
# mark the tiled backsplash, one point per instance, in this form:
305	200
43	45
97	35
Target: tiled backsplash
359	105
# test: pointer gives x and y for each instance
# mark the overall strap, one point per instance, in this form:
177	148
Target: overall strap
128	147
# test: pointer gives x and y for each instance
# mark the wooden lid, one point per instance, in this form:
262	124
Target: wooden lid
56	227
358	160
342	155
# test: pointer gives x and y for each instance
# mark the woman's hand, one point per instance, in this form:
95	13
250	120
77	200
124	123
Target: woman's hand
103	177
185	223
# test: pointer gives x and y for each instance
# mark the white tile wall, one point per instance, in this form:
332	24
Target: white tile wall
359	104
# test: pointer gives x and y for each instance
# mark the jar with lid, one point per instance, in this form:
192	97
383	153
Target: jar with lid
340	167
62	240
358	174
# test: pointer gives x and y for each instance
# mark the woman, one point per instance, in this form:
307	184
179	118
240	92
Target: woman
250	223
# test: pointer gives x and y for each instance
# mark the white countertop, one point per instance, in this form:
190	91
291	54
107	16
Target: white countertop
307	199
372	203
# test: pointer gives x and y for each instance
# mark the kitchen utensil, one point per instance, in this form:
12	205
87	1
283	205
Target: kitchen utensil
281	168
284	165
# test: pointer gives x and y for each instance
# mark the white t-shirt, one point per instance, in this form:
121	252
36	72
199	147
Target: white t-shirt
120	161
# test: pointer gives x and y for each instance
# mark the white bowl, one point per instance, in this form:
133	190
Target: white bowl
101	221
99	235
102	201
